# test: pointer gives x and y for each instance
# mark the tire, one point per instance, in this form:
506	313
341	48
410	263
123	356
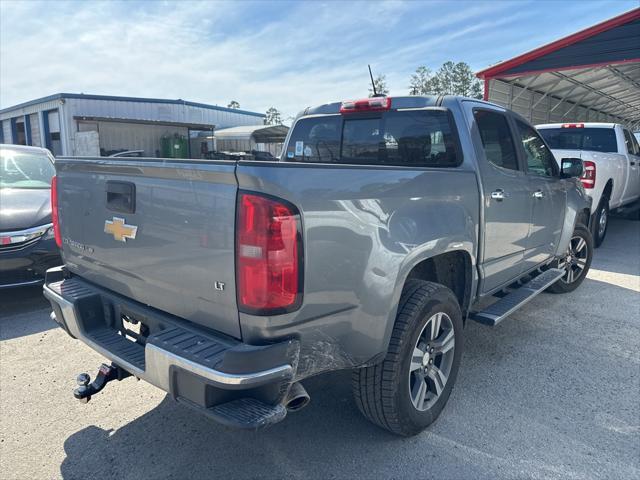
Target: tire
601	222
580	263
383	391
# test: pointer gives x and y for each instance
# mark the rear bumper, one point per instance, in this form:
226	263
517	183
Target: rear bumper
199	367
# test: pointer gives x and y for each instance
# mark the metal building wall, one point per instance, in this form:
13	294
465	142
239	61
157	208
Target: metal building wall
132	136
34	112
36	139
6	131
29	109
69	107
537	108
76	107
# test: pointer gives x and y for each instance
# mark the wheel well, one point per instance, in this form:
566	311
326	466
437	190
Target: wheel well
584	217
451	269
608	188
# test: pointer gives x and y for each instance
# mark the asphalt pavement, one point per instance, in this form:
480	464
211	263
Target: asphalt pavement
552	392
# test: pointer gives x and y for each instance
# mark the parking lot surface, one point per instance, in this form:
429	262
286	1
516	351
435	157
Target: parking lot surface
552	392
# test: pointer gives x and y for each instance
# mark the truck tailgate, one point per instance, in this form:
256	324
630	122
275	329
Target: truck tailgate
180	259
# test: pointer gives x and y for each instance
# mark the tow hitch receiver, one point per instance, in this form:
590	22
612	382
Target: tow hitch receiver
106	373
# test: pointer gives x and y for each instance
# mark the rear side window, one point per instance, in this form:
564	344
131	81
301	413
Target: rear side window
593	139
540	160
497	140
635	144
630	143
406	138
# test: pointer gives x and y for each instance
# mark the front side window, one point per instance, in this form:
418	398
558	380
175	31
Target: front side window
25	170
539	158
497	141
419	138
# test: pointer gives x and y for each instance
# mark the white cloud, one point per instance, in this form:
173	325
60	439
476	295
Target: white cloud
289	55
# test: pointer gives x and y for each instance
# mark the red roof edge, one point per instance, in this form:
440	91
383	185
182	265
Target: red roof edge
494	71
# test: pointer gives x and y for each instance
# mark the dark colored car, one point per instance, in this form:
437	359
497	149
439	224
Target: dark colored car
27	245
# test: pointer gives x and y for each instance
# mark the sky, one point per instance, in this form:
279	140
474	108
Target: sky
262	54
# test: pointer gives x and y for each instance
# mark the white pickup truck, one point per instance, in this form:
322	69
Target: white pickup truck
611	157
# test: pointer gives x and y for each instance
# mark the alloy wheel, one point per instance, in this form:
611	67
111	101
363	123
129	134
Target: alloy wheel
431	361
602	222
575	261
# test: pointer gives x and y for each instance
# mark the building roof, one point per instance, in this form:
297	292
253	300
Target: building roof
59	96
597	68
191	125
616	40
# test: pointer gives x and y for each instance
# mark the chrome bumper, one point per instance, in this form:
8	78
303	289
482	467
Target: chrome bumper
159	363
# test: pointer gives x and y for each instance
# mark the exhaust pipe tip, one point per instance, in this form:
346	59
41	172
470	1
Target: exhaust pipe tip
297	398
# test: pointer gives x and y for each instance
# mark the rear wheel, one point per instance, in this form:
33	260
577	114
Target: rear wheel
408	390
576	261
601	222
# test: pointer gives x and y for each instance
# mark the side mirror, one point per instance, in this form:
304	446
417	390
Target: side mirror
571	167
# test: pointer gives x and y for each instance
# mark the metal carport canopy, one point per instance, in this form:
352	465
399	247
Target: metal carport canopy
592	75
259	133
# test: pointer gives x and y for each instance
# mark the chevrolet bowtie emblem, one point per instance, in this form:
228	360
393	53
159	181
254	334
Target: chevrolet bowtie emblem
120	230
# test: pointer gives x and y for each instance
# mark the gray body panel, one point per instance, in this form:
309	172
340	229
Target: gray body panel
577	203
364	228
521	232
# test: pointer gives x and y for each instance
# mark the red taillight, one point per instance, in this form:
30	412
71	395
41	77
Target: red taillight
267	255
375	104
55	218
588	178
573	125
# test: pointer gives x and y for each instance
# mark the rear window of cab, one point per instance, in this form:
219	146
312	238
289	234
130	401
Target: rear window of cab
594	139
416	138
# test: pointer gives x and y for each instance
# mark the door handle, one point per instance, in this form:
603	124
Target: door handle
498	194
538	194
121	196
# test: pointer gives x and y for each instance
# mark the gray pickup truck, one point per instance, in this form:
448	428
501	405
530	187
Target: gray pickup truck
386	224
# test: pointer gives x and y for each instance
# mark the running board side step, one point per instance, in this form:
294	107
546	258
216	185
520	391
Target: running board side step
508	304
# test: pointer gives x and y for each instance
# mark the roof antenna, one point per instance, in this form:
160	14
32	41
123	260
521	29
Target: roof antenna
373	84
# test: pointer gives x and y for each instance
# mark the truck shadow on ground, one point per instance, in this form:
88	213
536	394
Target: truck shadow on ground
24	311
498	394
172	441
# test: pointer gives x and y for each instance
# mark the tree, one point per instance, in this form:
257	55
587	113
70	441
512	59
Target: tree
450	79
273	117
420	83
233	104
381	86
466	83
443	82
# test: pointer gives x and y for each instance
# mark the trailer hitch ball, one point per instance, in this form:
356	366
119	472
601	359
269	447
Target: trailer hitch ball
82	392
83	379
106	374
